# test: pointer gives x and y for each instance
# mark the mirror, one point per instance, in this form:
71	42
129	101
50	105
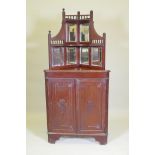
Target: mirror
71	32
84	55
57	56
96	56
84	32
71	56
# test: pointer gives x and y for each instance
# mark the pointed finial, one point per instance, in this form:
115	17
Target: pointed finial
78	12
91	14
63	13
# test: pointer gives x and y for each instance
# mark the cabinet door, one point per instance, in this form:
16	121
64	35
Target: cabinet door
61	105
91	105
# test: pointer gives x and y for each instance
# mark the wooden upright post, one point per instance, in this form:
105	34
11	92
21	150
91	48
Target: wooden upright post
49	49
63	14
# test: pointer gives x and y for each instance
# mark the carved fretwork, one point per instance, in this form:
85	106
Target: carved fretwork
62	105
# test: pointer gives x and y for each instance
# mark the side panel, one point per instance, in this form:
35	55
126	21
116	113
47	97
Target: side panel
61	105
91	95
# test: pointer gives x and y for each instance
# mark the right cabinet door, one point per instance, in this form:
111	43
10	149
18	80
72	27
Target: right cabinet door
92	106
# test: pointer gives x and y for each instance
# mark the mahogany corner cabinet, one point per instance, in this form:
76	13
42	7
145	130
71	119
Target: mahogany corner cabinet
76	82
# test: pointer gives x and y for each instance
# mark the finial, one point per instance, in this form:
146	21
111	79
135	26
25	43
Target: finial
78	14
49	32
91	14
63	13
104	36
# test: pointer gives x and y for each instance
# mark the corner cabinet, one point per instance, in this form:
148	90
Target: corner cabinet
77	82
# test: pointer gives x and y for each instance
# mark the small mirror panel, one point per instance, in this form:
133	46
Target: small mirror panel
71	55
84	32
71	32
84	55
96	56
57	56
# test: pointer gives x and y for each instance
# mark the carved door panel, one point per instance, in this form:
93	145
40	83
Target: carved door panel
91	105
61	106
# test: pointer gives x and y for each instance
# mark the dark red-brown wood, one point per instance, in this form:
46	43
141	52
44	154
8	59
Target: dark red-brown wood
61	105
77	103
77	95
59	40
91	97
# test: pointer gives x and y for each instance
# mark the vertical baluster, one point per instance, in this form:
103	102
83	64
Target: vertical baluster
78	14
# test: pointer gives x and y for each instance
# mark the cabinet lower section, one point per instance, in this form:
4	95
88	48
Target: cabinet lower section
77	106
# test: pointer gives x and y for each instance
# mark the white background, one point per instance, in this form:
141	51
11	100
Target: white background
13	85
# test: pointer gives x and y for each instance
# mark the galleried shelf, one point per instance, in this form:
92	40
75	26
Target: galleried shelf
76	81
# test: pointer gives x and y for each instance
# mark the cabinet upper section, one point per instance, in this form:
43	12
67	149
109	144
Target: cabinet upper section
77	30
77	45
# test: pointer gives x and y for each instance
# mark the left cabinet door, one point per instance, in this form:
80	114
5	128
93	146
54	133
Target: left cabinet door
60	95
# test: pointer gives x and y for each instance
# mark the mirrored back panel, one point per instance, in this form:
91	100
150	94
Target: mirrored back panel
96	56
57	56
71	32
71	56
84	32
84	55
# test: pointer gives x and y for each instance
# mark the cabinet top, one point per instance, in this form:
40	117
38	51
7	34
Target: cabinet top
78	70
76	73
